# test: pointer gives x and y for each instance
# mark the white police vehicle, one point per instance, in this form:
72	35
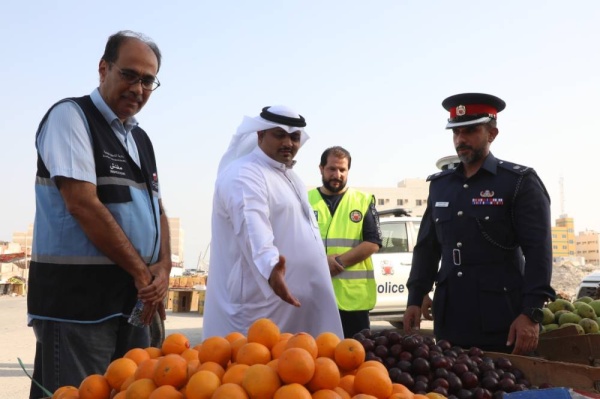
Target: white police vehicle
589	285
391	264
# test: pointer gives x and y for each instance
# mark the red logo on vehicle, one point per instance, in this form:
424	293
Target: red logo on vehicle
387	269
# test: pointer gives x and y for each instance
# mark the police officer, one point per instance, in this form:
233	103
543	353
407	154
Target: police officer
488	221
349	226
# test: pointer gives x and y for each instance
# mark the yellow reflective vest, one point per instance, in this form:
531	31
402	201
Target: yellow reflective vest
355	287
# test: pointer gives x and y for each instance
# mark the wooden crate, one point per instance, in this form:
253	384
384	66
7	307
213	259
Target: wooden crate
559	374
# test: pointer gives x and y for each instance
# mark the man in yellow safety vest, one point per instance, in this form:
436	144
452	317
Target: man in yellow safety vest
350	230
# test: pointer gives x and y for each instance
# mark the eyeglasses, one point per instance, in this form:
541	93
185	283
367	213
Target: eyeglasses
149	83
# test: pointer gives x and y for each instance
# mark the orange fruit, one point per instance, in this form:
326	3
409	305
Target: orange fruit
347	384
190	354
260	382
349	354
193	367
230	391
212	367
264	331
285	336
400	391
127	382
118	371
372	381
235	347
326	376
202	385
138	355
215	349
340	391
198	346
171	370
273	364
278	348
175	343
363	396
140	389
373	363
326	343
153	352
94	386
166	392
233	336
305	341
66	392
235	374
419	396
295	365
145	369
292	391
253	353
120	395
326	394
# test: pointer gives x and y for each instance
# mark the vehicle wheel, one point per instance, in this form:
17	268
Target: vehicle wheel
397	324
157	331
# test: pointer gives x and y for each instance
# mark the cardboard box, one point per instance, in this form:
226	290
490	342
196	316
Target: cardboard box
566	345
559	374
199	296
182	300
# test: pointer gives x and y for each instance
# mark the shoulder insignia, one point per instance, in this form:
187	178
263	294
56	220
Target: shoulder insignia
439	174
515	168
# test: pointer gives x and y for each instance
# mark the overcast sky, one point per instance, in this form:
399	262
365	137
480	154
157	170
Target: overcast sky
369	76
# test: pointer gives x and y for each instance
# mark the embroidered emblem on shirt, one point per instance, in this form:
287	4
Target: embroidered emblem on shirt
487	194
356	216
441	204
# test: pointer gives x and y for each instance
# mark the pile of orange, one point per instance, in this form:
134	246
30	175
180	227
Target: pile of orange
263	364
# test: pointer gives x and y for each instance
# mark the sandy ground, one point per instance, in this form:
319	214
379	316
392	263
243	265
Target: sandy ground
17	341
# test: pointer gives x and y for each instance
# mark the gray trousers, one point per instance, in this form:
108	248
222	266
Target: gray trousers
66	353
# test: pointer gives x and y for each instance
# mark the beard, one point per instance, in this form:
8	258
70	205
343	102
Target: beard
473	156
327	185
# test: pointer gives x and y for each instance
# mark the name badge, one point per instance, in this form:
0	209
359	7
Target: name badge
442	204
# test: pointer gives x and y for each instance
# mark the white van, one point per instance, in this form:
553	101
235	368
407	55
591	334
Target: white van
391	264
589	285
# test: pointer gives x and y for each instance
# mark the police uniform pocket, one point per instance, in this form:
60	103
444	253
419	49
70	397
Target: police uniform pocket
113	194
498	301
441	218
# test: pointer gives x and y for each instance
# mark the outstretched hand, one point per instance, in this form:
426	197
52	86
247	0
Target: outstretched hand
278	284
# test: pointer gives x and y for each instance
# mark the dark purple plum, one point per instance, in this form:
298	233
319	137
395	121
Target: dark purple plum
421	366
469	380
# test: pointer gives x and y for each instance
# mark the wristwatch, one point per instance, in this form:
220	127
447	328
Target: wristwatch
535	314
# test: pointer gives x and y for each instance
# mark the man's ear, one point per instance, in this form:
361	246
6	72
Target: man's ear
493	133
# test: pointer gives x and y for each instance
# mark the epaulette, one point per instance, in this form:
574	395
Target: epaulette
439	174
515	168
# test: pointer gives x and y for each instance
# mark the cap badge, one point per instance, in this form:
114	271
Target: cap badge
461	110
486	194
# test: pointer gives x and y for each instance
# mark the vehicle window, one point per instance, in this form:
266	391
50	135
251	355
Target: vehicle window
395	237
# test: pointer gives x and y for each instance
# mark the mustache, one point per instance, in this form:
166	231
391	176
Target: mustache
463	147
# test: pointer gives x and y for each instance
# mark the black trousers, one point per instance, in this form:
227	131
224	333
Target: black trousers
354	321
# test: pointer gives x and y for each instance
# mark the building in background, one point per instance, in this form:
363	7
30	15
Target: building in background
177	246
588	246
563	239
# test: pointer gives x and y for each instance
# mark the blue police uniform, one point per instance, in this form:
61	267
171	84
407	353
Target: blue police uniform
493	236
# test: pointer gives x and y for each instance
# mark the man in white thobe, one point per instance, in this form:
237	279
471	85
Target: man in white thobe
267	257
